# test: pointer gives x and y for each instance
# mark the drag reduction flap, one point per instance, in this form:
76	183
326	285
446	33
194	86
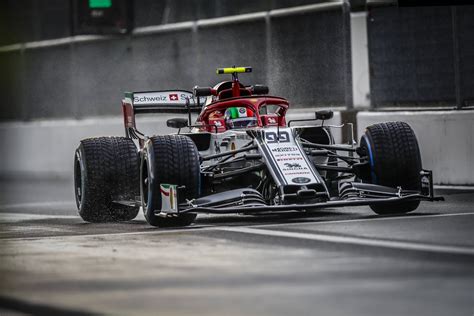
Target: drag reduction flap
163	101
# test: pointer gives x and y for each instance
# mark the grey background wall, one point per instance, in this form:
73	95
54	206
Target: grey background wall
150	12
303	56
34	20
421	55
416	56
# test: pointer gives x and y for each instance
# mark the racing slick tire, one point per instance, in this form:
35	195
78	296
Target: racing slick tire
169	159
106	169
395	161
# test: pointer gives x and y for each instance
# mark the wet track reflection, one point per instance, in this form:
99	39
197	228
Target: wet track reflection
333	261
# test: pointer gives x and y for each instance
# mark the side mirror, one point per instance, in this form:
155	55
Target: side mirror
202	91
259	89
177	122
324	115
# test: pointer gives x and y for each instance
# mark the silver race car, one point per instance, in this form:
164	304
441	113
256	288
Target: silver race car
241	155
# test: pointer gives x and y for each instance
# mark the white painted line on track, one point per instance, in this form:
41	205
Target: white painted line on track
453	187
357	220
38	204
458	250
354	240
151	230
34	215
7	218
140	217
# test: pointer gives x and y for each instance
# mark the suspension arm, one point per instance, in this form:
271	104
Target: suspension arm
229	153
330	147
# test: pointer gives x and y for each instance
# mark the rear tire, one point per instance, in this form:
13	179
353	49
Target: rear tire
106	169
169	159
395	161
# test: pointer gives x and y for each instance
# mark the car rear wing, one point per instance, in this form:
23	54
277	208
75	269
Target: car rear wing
165	101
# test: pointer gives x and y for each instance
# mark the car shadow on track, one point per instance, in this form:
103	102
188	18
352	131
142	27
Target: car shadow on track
296	217
61	226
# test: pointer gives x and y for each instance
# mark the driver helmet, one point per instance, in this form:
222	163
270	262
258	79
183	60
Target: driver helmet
240	117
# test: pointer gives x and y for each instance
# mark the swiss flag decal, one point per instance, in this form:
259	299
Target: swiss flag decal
173	97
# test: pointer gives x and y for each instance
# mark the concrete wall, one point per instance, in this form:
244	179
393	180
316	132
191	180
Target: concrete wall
421	55
360	61
302	54
36	20
408	56
445	138
45	149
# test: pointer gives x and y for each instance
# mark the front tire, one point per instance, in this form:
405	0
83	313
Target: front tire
395	161
169	159
106	169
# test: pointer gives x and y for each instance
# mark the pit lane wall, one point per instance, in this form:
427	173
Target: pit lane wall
301	53
445	138
45	148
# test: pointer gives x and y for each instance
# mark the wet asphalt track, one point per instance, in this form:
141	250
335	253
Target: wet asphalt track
334	262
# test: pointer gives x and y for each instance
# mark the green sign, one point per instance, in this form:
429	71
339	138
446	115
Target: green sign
100	4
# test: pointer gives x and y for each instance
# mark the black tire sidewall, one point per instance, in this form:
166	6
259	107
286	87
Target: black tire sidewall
95	204
87	200
153	202
82	177
379	166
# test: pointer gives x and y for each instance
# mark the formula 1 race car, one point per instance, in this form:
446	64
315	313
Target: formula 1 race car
242	156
